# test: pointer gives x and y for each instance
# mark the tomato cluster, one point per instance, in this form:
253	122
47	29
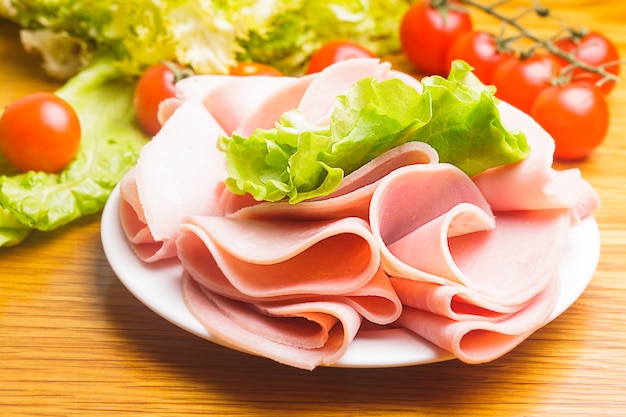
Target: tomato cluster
567	100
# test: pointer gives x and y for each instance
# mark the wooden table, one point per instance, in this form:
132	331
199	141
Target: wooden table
74	341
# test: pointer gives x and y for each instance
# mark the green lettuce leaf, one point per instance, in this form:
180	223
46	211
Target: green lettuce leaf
297	160
12	231
468	131
206	35
110	146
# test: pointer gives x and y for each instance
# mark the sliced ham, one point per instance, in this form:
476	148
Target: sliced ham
376	301
303	335
456	302
508	264
269	110
234	101
196	87
180	172
533	184
432	225
279	258
478	341
470	264
134	222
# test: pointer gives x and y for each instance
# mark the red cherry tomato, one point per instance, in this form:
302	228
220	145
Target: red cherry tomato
519	81
155	85
335	51
481	51
254	68
426	34
576	115
39	132
593	49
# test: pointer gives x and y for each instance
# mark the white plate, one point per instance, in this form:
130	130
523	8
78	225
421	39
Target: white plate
159	287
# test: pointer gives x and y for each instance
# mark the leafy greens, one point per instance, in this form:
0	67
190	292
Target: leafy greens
110	146
207	35
297	160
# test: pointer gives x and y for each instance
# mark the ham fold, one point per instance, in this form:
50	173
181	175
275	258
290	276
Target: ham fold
180	172
279	258
477	340
292	291
533	184
303	335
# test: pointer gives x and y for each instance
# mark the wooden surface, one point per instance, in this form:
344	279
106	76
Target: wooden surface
74	341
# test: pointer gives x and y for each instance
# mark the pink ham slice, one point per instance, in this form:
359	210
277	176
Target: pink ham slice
432	225
180	172
350	199
303	335
313	94
269	110
453	301
134	222
478	341
533	184
376	301
264	258
283	289
232	102
233	99
196	87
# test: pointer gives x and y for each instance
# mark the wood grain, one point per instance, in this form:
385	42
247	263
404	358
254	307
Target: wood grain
74	341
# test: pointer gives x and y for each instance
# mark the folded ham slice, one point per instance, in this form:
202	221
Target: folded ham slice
180	172
295	292
232	102
433	225
279	259
196	87
479	340
300	334
233	99
533	184
269	110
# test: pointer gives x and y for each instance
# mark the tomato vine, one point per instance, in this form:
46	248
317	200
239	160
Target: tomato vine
549	44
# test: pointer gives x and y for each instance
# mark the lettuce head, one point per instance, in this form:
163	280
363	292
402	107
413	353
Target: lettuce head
207	35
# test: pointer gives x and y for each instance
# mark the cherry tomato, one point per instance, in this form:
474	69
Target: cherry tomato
426	34
335	51
155	85
254	68
576	115
593	49
519	81
481	51
39	132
